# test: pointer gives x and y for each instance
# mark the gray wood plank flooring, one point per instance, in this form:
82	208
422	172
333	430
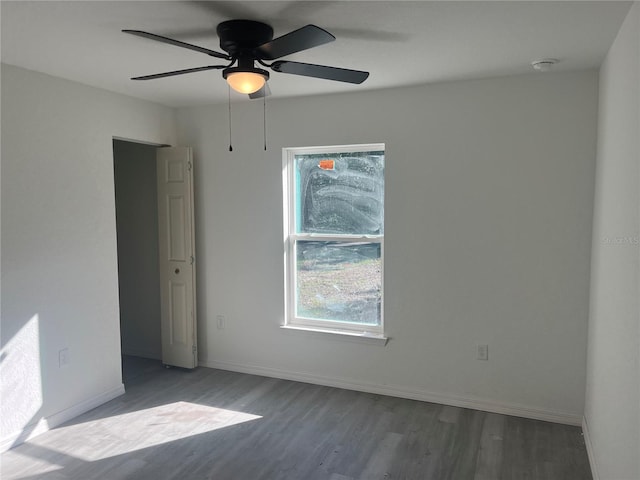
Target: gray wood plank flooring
218	425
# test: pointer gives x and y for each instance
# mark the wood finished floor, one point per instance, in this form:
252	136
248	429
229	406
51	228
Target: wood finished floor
219	425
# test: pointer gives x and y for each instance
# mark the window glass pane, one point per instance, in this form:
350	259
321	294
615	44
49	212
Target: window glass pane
339	281
341	193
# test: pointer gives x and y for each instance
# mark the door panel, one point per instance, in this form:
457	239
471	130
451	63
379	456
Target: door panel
179	309
177	254
176	210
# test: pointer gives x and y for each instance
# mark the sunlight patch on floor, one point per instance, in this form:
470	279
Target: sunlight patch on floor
129	432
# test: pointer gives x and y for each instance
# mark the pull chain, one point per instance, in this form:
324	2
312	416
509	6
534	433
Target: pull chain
264	116
229	92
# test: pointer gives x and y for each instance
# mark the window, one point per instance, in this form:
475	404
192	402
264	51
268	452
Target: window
334	235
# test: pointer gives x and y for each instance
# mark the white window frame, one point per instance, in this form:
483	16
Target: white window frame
291	237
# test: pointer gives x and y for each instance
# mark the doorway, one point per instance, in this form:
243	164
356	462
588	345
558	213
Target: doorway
135	178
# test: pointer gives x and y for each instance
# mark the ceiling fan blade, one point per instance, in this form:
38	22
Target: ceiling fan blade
320	71
265	91
179	72
177	43
304	38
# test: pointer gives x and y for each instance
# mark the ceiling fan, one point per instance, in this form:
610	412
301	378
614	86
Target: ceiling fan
247	42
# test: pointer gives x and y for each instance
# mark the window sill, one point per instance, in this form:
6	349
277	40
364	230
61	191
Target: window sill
359	337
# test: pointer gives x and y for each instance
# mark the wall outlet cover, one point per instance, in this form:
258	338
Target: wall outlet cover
483	352
63	357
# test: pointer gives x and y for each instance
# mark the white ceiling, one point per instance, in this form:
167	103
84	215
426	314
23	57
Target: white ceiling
400	43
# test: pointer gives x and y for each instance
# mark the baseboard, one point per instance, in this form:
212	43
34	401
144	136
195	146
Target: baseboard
48	423
590	452
402	392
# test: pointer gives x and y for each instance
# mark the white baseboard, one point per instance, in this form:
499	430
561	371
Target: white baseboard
48	423
403	392
590	452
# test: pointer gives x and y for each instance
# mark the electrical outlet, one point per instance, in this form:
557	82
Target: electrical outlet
63	357
220	321
483	352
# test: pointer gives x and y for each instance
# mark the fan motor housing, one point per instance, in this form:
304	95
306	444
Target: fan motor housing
237	36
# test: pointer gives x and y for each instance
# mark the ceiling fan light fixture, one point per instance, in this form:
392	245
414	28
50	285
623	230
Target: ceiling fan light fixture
247	43
245	80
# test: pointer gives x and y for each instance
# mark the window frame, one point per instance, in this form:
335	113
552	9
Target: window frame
291	237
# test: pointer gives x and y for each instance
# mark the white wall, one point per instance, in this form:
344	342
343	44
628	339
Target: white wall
489	191
59	266
612	412
138	269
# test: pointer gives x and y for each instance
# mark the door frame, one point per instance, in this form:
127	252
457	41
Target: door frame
155	145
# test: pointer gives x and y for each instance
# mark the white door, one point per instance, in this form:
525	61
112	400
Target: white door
177	256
